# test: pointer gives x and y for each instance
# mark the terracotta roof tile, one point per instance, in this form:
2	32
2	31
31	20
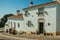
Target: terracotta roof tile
17	16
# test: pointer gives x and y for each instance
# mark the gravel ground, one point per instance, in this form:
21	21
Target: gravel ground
4	38
30	37
42	37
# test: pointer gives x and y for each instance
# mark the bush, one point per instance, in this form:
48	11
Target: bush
37	31
7	30
14	32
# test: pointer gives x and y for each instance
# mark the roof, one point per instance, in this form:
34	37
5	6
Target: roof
17	16
42	5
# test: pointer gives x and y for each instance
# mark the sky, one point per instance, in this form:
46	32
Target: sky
10	6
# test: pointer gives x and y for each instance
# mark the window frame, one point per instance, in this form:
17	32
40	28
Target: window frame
40	10
18	24
26	13
14	25
11	24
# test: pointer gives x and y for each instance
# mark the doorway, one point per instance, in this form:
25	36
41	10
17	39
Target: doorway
41	27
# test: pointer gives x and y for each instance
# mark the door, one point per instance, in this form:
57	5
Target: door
41	27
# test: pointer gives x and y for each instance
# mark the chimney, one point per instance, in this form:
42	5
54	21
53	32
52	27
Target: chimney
18	12
31	4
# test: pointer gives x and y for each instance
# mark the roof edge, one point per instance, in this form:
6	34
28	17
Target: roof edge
54	2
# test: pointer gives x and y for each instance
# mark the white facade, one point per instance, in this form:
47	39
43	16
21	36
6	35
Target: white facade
50	18
58	18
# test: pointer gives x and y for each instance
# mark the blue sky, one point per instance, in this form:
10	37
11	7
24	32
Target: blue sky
10	6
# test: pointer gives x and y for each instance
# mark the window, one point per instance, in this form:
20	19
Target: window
8	22
29	23
49	24
11	24
40	10
26	13
14	25
18	25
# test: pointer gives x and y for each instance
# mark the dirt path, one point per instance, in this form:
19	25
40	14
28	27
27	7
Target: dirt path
16	38
28	37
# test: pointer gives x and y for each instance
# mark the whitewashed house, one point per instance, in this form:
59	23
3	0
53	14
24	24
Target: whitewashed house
15	22
43	18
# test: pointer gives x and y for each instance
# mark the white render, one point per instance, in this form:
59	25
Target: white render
58	18
53	17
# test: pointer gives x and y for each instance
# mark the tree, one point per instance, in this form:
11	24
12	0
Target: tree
4	18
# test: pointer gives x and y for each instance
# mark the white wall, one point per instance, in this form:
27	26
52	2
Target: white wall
16	22
6	27
50	18
58	18
33	20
